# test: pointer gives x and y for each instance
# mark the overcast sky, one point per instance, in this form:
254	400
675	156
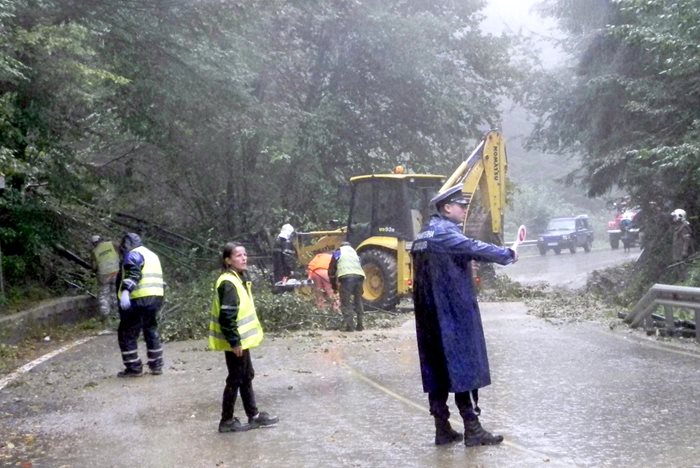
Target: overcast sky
508	14
517	16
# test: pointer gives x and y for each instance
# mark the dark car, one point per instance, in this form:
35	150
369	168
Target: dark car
566	233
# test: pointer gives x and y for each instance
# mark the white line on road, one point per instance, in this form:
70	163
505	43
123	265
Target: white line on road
29	366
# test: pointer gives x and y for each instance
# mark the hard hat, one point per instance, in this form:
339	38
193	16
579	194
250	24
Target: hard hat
678	214
286	231
95	239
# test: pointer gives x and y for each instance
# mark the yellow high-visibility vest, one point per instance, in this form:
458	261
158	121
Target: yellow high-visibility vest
249	327
151	282
106	258
349	262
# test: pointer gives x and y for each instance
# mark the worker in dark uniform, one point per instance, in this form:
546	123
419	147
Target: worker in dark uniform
346	274
234	328
283	255
140	293
451	343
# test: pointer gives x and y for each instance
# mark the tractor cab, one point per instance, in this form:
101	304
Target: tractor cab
386	214
390	205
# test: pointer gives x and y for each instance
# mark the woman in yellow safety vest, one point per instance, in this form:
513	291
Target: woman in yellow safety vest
234	328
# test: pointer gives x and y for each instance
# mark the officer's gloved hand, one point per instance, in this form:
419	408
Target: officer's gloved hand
124	301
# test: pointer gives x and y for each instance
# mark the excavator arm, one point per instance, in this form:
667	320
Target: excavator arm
483	179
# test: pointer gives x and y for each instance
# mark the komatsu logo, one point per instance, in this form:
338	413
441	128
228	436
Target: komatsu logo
496	164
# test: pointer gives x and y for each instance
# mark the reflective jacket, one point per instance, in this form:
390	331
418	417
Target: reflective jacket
283	258
344	262
348	262
106	259
151	281
320	261
233	321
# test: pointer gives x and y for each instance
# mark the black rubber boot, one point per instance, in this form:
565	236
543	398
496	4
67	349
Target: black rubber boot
444	434
359	326
475	435
348	326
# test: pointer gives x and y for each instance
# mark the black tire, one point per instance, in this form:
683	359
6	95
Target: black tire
557	250
543	251
614	242
380	279
587	246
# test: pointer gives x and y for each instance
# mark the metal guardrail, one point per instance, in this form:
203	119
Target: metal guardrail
669	297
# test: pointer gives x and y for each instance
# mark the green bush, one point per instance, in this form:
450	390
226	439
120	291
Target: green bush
187	308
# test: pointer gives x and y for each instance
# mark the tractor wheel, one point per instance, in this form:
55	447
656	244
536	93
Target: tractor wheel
380	279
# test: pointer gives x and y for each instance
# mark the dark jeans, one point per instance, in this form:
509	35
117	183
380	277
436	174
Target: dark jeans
351	299
141	316
240	379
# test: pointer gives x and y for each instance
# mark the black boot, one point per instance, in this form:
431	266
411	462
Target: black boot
348	326
444	434
474	434
360	325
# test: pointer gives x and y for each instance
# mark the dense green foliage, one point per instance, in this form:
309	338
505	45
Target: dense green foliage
187	311
630	107
224	120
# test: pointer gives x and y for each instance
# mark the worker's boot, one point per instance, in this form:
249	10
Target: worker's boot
359	326
474	434
444	434
348	326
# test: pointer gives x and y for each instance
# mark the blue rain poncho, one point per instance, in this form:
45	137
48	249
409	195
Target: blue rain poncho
451	344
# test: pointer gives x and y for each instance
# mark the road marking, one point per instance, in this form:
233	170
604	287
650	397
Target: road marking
421	408
29	366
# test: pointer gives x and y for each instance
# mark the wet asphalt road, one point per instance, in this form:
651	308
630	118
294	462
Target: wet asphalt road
568	395
566	270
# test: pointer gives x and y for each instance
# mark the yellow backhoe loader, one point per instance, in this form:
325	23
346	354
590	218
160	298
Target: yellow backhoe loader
388	210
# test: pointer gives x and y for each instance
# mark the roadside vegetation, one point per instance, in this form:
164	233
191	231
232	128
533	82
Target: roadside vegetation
204	122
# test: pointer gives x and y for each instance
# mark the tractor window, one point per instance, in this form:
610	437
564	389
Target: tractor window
390	207
359	224
420	192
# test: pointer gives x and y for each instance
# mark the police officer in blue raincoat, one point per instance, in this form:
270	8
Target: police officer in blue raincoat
451	344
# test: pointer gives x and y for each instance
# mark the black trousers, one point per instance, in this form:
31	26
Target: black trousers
463	400
140	317
240	379
351	288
